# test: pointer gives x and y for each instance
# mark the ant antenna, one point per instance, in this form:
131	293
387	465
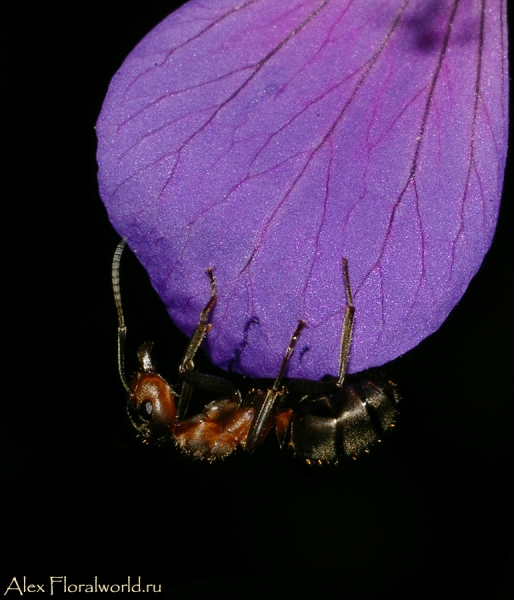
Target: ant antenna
122	330
346	334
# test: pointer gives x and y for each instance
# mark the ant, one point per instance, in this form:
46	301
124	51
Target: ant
323	420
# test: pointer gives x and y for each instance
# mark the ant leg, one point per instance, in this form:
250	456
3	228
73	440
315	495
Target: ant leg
260	421
122	330
186	391
187	365
192	379
202	328
346	334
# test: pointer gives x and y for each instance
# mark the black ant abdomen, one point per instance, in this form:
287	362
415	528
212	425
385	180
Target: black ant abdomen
346	422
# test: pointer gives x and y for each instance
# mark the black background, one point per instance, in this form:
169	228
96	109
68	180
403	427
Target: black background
427	514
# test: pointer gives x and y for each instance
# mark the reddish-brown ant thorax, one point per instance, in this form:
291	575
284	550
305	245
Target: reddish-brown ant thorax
216	432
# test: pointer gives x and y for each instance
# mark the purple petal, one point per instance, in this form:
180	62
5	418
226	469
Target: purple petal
270	139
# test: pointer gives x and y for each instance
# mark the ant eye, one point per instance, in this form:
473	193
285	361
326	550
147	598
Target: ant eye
146	410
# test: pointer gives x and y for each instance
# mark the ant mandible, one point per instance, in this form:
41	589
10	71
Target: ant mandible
323	420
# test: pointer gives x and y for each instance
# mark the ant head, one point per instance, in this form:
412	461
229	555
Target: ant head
151	400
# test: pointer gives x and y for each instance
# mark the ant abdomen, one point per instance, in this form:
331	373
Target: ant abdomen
344	422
